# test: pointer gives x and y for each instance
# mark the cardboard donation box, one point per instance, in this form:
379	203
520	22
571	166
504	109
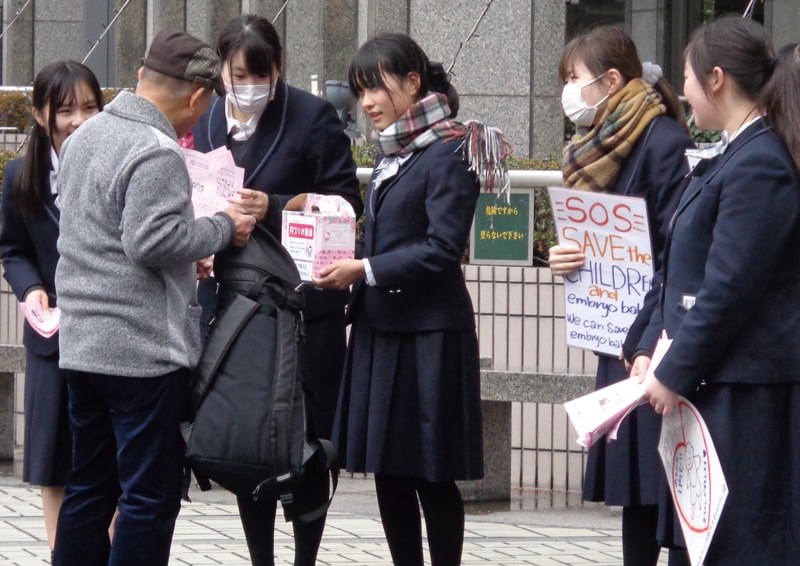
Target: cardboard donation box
322	233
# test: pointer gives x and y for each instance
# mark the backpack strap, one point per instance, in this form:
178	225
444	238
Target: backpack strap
333	470
284	484
227	328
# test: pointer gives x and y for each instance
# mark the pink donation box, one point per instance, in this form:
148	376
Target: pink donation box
322	233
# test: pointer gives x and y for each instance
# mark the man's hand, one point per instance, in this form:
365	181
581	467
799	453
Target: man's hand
254	203
205	267
244	224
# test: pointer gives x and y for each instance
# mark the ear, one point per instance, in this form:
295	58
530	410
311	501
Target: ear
196	98
615	81
411	85
40	118
717	80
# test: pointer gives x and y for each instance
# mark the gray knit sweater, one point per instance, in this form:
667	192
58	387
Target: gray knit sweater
126	279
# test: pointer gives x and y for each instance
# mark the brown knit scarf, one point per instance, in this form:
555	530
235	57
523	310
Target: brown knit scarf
593	159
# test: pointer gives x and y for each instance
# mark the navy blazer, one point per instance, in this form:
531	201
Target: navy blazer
415	232
656	171
299	146
29	254
732	253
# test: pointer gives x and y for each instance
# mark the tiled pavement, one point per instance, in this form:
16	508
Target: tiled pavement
524	531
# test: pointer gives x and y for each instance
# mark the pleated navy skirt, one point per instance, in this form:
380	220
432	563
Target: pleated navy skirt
756	432
626	471
47	445
410	404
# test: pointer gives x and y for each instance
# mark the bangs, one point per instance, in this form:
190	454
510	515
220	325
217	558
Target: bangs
253	50
576	50
366	71
64	94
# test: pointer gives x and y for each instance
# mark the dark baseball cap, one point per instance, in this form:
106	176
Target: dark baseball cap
182	56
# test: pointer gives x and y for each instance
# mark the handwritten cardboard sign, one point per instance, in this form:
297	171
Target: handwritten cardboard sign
604	296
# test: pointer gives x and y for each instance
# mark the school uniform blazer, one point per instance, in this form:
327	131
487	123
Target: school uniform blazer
656	171
415	232
29	254
732	251
299	146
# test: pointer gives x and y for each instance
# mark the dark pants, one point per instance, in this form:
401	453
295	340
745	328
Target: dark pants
127	454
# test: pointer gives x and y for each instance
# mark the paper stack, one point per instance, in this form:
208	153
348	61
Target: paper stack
215	179
44	322
602	411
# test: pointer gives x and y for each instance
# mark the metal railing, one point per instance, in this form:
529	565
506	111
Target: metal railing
520	320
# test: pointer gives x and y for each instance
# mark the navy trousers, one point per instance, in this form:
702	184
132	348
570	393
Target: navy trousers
127	454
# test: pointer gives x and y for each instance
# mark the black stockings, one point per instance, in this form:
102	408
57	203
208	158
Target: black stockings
443	508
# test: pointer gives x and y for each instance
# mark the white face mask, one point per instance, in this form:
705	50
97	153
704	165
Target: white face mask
250	99
575	106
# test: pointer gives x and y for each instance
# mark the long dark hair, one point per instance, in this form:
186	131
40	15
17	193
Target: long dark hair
257	40
790	53
742	48
397	54
53	87
609	47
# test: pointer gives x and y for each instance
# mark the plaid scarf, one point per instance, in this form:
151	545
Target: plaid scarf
484	148
593	159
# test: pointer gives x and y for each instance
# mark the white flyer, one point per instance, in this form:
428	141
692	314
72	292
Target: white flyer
215	179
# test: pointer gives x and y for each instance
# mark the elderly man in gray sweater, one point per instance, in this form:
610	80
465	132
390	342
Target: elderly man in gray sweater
126	282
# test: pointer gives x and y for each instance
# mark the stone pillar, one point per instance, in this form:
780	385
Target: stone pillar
18	45
58	32
546	120
782	20
12	360
340	38
382	16
496	482
165	14
130	42
205	19
376	17
646	29
303	50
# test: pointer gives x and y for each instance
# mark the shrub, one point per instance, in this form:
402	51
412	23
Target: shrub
15	110
5	157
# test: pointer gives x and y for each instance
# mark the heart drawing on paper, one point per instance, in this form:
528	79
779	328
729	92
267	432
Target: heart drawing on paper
691	475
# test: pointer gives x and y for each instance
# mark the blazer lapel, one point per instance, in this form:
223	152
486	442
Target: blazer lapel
706	170
217	131
268	134
389	183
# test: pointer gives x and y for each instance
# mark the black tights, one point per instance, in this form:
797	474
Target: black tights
639	544
444	519
258	521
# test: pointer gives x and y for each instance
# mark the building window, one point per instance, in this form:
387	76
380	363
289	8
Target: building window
583	15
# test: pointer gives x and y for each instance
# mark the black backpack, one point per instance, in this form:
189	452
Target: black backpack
248	428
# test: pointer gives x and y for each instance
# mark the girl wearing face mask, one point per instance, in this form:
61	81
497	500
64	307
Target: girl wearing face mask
630	140
289	143
65	95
